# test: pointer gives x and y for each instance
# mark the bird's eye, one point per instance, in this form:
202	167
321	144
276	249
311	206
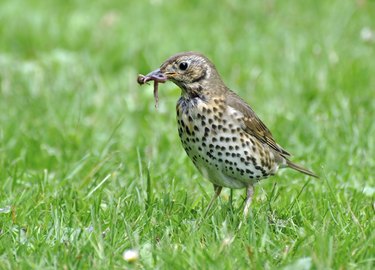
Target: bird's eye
183	65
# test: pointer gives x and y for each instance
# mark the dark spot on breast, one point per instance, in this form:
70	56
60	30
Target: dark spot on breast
187	130
249	172
259	168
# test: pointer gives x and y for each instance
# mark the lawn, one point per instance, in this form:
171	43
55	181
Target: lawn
89	168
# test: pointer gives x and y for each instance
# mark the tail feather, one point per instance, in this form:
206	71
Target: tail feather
300	169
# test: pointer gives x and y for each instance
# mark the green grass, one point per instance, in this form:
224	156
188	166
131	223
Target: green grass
89	169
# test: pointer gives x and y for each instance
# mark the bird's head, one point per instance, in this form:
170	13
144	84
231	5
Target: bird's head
192	72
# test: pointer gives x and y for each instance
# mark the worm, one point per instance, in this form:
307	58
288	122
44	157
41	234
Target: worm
156	94
142	79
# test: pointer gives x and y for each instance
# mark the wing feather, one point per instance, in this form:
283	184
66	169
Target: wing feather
253	125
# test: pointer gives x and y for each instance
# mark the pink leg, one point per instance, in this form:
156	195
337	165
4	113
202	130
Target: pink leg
249	197
217	193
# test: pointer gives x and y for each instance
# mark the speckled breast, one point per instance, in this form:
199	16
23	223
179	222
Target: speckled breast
213	137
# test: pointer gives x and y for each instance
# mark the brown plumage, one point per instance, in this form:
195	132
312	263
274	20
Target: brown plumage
220	133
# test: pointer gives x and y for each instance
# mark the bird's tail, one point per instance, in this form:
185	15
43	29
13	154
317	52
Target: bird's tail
300	169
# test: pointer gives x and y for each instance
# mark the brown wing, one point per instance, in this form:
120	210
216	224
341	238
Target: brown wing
253	125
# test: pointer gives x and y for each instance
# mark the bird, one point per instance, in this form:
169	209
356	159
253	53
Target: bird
222	135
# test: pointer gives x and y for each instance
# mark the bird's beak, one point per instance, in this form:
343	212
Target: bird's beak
156	75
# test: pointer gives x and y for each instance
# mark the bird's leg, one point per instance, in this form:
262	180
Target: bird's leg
217	193
249	197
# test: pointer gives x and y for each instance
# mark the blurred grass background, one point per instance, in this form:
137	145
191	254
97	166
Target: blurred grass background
89	169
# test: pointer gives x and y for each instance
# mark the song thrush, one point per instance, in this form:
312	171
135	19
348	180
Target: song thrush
220	133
